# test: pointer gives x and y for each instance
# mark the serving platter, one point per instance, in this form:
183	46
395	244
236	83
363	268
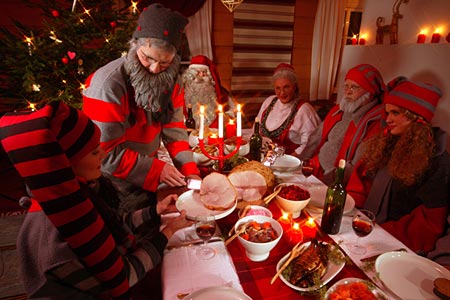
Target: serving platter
379	294
286	163
318	193
217	293
190	201
333	269
409	275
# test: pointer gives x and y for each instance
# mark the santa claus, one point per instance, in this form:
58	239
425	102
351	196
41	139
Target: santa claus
202	86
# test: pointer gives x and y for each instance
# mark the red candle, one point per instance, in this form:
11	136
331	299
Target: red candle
309	230
362	41
421	38
295	233
230	129
436	37
212	139
285	221
354	40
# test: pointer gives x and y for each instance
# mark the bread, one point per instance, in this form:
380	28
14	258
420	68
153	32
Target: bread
442	288
217	192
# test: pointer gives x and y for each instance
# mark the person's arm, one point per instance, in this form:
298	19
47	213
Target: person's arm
305	122
313	142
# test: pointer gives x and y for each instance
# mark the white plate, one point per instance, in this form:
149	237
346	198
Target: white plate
375	290
408	275
318	193
190	201
332	270
286	163
217	293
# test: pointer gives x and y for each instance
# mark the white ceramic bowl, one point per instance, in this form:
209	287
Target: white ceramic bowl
230	144
259	251
257	210
294	207
201	159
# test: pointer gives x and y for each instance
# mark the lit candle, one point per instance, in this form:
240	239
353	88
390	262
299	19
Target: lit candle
295	234
285	221
230	129
220	122
362	39
239	121
309	230
202	122
436	37
354	40
421	37
212	139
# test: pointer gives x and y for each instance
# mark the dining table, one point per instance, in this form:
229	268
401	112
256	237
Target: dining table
183	273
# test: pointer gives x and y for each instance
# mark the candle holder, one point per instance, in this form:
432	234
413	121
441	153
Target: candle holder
221	157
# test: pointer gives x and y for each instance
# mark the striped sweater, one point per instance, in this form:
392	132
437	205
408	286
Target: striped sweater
129	135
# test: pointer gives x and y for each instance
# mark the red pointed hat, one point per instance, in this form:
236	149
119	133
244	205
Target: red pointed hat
417	97
368	77
200	61
284	66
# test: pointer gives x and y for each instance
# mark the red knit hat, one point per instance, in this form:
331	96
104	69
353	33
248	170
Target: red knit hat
419	98
201	61
43	145
368	77
284	66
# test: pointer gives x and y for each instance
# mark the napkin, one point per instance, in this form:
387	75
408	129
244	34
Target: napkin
184	272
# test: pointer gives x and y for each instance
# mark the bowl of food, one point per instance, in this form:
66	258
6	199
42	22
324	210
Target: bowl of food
200	158
230	144
193	137
258	235
292	198
257	210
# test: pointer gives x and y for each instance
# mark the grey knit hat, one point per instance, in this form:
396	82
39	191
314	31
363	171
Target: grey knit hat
157	21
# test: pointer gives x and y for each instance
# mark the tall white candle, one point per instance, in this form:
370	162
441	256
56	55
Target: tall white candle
239	121
220	122
202	122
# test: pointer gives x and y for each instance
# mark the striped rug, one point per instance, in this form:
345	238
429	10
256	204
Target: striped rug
262	38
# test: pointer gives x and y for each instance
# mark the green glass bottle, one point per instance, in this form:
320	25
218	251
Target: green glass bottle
190	121
255	142
334	202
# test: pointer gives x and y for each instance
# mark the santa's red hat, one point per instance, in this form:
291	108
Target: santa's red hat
201	61
368	77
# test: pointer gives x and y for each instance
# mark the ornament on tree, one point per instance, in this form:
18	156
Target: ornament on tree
36	87
71	54
55	13
54	37
65	60
113	24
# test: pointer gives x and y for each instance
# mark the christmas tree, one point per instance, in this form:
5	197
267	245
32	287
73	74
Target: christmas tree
52	62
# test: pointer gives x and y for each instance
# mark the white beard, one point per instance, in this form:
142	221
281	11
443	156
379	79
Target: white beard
352	106
201	93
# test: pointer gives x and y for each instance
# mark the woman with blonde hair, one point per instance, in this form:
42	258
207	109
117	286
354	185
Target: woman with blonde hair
404	173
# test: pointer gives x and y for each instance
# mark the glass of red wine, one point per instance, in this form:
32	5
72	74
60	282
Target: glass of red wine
307	168
205	227
362	223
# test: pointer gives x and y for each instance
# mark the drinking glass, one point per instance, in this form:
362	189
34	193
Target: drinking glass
205	227
362	223
307	168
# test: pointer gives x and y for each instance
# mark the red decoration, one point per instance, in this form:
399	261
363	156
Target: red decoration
113	24
295	234
65	60
55	13
448	38
285	221
421	38
212	139
166	32
230	129
436	37
309	229
139	28
362	41
71	54
354	40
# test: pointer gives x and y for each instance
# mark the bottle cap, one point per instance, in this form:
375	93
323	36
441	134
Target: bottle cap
342	163
256	119
189	105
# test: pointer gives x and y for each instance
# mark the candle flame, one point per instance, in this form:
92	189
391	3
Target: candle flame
31	106
310	222
364	36
231	122
213	135
423	31
220	108
296	226
238	107
354	36
202	109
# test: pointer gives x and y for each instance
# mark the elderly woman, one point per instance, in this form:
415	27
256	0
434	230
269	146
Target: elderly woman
404	173
285	118
72	245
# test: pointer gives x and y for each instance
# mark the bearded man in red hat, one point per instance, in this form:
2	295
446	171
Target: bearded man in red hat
202	86
356	117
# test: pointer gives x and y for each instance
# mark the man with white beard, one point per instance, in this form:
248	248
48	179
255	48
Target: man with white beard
202	86
356	117
137	103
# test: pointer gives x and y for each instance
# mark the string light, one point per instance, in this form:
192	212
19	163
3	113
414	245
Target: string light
31	106
134	7
54	37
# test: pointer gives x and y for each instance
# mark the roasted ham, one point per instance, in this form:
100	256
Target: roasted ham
217	192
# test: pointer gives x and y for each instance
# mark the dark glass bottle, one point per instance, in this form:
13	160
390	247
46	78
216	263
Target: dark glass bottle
334	202
190	121
255	143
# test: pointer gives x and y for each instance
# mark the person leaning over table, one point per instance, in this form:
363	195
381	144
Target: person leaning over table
137	103
356	117
71	244
284	117
404	173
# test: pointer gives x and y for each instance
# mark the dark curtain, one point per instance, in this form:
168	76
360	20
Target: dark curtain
186	7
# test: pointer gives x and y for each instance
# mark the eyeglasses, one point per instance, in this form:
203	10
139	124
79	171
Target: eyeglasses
353	88
150	60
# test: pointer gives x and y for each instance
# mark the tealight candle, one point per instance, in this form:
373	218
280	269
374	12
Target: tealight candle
362	39
285	221
309	230
295	233
436	37
354	40
230	129
421	37
212	139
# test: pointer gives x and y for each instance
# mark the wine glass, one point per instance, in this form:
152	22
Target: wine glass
307	168
205	227
362	223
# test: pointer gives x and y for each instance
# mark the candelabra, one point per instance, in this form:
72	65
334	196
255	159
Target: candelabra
220	156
